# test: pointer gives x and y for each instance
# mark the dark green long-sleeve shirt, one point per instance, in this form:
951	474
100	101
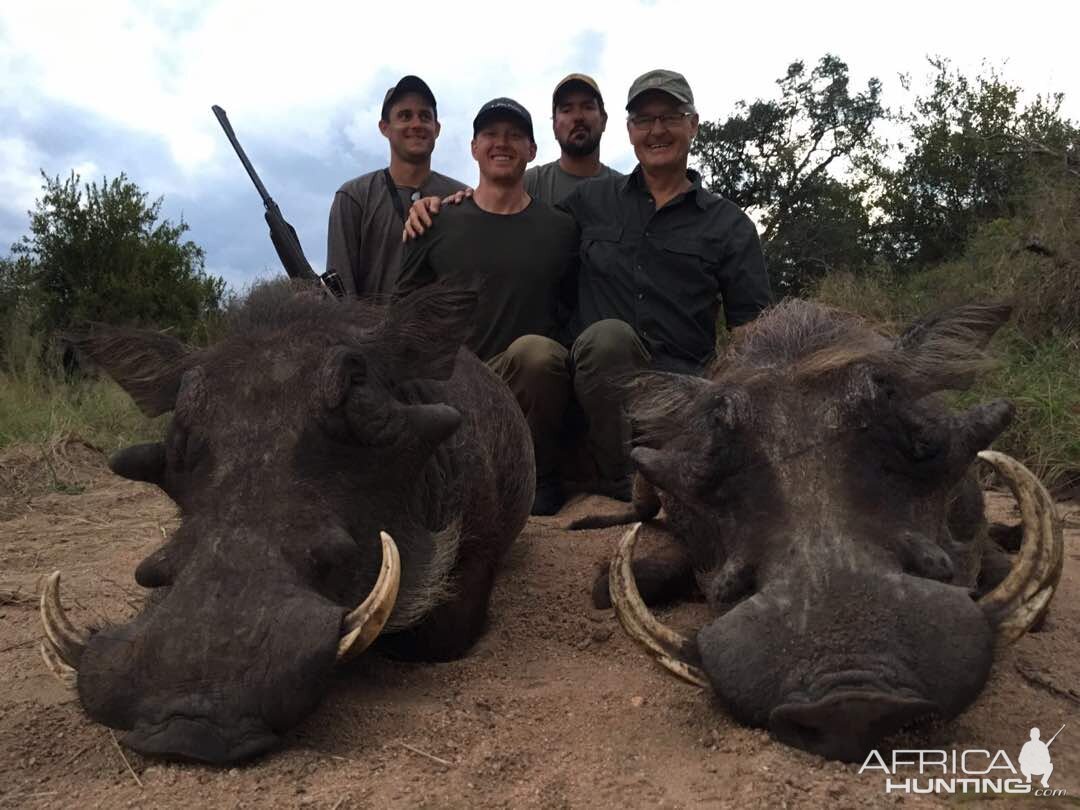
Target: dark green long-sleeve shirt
666	272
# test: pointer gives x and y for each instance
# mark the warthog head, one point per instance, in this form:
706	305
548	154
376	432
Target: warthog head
292	449
822	490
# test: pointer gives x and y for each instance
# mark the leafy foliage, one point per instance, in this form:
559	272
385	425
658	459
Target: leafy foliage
101	254
973	152
797	163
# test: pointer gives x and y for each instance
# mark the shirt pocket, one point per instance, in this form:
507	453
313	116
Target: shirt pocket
600	245
687	266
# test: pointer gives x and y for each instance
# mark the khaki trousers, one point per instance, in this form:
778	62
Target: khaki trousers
543	377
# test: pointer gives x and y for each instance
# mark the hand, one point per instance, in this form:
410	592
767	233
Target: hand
422	211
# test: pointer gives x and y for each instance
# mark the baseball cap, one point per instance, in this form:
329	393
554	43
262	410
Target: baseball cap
407	84
666	81
578	79
503	108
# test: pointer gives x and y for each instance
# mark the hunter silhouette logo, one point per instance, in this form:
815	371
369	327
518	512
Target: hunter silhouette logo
1034	757
973	770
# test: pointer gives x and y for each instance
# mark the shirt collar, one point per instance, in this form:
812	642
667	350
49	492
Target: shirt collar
635	182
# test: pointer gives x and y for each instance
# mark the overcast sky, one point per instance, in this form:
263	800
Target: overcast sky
110	87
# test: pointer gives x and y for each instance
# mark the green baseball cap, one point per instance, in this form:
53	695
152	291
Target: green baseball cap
666	81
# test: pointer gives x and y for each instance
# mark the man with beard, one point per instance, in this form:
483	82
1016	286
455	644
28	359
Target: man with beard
578	120
364	234
520	255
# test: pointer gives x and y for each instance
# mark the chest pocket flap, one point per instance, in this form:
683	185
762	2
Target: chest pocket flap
688	246
601	233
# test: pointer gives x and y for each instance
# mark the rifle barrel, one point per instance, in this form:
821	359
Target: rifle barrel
1055	735
223	119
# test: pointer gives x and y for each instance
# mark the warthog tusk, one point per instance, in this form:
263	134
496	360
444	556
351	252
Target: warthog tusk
65	674
1023	596
362	626
66	640
670	649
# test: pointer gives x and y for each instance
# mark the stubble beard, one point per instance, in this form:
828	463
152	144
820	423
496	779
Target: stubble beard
583	149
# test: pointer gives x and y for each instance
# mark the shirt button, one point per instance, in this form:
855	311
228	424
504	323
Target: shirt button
640	296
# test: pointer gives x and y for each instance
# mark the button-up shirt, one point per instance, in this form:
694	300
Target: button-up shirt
666	272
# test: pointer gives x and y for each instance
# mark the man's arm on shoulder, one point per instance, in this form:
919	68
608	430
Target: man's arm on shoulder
744	281
343	239
416	269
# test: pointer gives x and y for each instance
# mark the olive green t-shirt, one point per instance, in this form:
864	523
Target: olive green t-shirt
523	266
552	184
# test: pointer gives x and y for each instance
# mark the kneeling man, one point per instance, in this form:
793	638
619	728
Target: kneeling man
520	255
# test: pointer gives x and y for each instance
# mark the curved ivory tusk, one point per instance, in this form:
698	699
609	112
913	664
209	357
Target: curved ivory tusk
67	641
362	626
668	647
1023	596
65	674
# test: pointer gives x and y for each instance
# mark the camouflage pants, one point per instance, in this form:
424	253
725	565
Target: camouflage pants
544	376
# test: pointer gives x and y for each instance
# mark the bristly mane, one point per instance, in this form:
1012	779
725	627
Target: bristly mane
800	341
805	340
280	304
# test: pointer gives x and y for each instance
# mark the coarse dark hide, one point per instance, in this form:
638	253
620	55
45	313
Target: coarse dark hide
821	497
294	442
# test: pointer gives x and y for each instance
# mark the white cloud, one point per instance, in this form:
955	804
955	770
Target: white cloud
306	79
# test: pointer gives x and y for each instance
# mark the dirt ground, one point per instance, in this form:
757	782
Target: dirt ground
555	708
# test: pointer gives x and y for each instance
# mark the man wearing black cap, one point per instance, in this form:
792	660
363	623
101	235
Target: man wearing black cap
366	217
520	254
578	120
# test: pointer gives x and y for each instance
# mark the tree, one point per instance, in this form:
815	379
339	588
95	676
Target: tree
798	165
968	160
101	254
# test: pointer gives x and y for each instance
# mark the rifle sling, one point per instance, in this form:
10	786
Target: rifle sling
395	198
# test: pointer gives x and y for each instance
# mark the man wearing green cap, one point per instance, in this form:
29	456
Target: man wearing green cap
659	256
578	119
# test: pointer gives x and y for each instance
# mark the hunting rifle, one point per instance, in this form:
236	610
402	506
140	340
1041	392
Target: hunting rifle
282	234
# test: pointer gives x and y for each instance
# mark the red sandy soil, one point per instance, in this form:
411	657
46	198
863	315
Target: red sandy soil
554	708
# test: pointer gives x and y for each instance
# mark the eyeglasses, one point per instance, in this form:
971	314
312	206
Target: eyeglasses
667	120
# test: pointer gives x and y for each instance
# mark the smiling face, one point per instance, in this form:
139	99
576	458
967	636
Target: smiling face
411	129
578	122
502	149
661	146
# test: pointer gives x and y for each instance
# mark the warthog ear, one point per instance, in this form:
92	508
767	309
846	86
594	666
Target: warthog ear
148	365
424	331
140	462
658	403
666	469
945	350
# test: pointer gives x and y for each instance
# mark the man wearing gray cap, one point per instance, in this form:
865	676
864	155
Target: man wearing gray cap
520	255
578	119
366	217
659	256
